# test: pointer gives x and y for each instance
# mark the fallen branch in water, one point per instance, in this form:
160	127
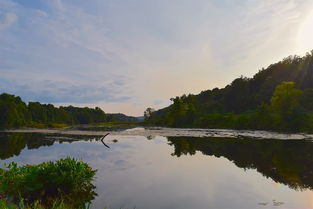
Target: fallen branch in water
103	141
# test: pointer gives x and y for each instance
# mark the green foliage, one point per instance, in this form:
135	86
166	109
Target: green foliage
287	112
286	99
307	100
148	113
15	113
67	180
85	115
265	101
120	118
56	204
286	104
47	125
5	205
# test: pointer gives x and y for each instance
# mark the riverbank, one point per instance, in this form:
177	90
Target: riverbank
173	132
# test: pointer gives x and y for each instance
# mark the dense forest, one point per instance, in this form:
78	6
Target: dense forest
279	98
15	113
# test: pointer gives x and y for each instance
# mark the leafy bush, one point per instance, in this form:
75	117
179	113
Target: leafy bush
67	180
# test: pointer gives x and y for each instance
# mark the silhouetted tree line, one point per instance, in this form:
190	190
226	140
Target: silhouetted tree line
279	97
16	113
119	117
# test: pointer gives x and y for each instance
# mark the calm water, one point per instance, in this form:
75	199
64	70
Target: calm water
185	173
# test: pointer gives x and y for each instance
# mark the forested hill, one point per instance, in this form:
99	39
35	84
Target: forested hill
119	117
240	98
15	113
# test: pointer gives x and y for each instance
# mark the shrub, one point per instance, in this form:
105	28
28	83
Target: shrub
67	180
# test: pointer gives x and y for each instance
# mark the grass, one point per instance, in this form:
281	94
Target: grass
47	125
56	205
65	183
91	126
107	126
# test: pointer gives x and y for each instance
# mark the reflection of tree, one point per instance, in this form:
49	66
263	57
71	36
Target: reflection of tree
285	161
13	143
150	137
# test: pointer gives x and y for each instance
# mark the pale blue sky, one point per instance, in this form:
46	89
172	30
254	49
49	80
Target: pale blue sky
126	55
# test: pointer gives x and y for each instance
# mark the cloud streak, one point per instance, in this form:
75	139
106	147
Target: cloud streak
136	53
49	91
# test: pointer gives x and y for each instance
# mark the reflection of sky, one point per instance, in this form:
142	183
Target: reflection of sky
142	173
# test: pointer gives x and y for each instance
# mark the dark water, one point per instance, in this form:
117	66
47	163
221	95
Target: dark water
184	173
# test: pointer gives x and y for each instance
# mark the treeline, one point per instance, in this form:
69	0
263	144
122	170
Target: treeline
15	113
277	98
119	117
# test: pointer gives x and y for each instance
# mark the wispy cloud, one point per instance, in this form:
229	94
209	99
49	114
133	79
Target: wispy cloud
49	91
128	53
6	20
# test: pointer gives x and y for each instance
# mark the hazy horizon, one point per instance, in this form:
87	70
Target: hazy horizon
125	56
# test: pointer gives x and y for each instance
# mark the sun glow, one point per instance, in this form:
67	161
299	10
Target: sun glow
305	36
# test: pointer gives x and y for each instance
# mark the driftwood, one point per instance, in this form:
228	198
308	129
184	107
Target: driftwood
103	141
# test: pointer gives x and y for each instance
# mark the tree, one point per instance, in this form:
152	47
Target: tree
13	111
38	112
148	112
286	103
307	100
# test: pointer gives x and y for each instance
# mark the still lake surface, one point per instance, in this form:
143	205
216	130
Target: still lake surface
180	172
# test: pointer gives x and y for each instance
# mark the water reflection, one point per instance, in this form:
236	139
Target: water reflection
285	161
11	144
200	173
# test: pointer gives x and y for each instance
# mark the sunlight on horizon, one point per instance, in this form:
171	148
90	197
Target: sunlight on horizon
305	35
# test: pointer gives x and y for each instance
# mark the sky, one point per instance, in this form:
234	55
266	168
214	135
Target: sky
127	55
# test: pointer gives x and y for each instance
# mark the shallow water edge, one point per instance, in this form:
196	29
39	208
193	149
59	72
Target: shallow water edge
174	132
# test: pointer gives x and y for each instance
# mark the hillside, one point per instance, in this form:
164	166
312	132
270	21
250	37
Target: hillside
119	117
241	97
